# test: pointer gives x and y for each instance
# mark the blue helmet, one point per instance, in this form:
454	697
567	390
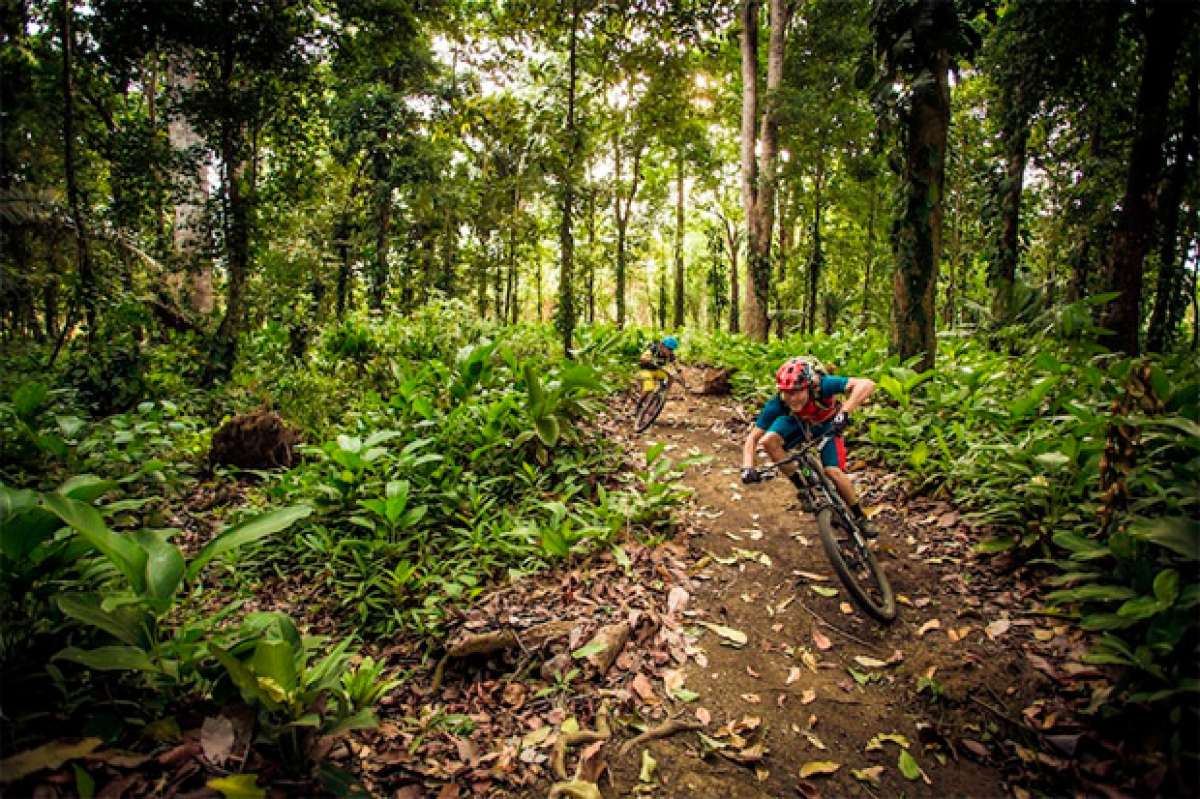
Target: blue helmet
671	343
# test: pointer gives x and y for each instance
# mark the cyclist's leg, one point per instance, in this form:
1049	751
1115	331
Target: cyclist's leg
785	432
833	458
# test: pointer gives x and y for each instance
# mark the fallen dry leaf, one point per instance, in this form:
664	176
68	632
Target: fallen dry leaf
703	716
846	608
821	640
932	624
997	628
216	739
793	675
752	699
808	697
641	686
814	768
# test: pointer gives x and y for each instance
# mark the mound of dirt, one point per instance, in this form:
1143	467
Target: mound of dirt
256	440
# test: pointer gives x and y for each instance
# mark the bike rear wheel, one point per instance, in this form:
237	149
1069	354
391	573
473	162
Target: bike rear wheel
856	566
648	408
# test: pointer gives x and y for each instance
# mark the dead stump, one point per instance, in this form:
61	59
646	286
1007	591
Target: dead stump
714	381
256	440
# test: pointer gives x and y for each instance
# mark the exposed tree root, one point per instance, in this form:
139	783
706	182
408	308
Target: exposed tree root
664	730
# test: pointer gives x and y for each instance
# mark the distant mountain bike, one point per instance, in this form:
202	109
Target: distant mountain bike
654	396
844	544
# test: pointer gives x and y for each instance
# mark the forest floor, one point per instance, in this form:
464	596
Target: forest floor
738	630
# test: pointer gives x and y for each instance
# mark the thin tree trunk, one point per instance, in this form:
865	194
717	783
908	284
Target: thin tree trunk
1004	273
591	260
817	261
1168	295
870	249
87	280
679	274
732	241
1124	262
566	290
383	234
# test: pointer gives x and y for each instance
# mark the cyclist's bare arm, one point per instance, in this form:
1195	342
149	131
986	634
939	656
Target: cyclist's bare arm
750	448
859	389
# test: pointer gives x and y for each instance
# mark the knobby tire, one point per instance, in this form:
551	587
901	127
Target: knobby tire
882	608
648	409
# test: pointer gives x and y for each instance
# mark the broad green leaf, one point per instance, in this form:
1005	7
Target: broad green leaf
122	623
908	766
86	487
537	394
275	660
1179	534
1092	593
1166	587
110	658
238	786
824	590
164	565
588	650
1143	607
28	397
735	637
1105	621
1083	548
364	719
547	430
260	526
994	545
125	554
23	523
47	756
243	678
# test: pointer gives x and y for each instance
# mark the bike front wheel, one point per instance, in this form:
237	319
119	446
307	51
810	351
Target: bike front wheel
856	566
648	409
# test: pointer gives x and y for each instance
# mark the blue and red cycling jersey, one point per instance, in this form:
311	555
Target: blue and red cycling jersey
811	421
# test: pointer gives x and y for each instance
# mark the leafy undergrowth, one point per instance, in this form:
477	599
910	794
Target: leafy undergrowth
1083	467
149	594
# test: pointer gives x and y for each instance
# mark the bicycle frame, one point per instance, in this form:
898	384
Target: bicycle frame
820	491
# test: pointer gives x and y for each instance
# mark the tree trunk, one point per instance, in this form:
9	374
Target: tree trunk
566	291
383	234
679	274
870	249
732	237
918	232
817	261
621	211
754	310
758	175
193	277
1168	299
87	280
1004	273
1166	23
344	274
591	260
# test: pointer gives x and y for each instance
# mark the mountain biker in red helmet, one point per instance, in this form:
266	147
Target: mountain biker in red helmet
804	408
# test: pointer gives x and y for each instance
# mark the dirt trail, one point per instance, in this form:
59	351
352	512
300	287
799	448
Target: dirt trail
795	672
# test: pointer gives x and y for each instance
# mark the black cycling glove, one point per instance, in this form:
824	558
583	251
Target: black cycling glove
840	422
751	475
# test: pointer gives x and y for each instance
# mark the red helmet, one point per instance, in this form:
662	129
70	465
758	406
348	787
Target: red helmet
796	373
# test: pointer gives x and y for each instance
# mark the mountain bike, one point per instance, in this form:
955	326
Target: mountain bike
844	544
651	403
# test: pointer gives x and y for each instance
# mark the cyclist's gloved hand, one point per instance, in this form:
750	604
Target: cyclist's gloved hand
751	475
840	422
